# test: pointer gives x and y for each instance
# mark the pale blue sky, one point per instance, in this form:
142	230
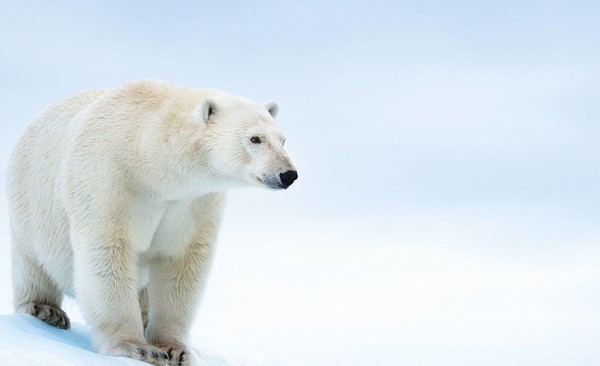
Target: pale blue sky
387	103
467	125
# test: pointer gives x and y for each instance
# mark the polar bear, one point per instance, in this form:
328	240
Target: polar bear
116	197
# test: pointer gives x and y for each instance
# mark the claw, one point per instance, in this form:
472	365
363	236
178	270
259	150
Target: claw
52	315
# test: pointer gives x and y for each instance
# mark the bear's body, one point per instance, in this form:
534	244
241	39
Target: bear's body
116	197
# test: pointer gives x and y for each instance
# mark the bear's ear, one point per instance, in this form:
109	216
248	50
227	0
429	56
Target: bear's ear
207	109
272	107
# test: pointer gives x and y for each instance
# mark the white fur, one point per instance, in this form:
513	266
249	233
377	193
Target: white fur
115	191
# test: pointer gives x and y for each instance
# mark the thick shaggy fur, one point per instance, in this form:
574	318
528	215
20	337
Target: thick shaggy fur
116	197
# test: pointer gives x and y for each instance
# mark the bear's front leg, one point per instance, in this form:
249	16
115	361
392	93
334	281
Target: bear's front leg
174	289
106	288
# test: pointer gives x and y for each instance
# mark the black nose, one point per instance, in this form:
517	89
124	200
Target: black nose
288	178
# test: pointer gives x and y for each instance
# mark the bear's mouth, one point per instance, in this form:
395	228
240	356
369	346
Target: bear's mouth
270	182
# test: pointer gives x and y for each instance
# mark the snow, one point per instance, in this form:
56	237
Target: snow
25	340
464	289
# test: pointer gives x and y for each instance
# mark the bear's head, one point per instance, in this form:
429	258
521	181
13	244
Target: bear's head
243	145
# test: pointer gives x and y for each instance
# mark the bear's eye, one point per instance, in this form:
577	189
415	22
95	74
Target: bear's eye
255	140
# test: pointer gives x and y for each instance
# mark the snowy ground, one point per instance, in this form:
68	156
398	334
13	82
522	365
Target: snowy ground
451	290
25	341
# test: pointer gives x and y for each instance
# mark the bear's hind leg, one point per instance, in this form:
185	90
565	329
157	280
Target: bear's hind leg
35	293
144	305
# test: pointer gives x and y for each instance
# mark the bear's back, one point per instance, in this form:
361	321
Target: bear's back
35	161
42	144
